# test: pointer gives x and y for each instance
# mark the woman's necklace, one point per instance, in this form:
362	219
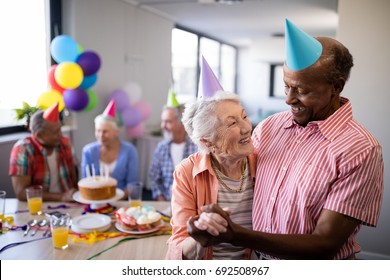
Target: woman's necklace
243	165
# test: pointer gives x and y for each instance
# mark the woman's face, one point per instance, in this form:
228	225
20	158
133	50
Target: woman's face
233	138
105	133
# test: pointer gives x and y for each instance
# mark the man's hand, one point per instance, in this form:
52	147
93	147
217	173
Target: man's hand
213	226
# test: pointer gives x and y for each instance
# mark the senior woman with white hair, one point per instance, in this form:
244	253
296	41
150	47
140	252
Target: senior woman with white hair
110	153
222	171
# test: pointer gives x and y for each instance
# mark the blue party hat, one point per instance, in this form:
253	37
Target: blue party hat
208	82
302	50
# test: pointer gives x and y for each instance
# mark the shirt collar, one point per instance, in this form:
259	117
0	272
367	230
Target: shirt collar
331	126
203	163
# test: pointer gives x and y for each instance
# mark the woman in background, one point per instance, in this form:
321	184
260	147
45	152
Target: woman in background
110	153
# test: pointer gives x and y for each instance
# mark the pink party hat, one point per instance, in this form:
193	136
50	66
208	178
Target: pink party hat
171	100
110	109
208	82
51	114
302	50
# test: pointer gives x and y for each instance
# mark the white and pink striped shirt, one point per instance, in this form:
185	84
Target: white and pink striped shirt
333	164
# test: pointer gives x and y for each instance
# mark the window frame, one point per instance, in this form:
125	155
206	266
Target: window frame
221	42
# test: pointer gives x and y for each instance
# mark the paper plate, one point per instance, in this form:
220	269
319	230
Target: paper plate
91	222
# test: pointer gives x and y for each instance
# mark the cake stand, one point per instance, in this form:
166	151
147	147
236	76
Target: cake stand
96	204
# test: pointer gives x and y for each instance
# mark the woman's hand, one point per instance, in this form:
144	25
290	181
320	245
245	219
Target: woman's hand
211	227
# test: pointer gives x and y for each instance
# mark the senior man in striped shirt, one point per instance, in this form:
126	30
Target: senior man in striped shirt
319	174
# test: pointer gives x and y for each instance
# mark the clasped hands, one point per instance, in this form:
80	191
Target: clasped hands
212	226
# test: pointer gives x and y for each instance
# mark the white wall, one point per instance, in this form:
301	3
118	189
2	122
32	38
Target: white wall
134	46
363	28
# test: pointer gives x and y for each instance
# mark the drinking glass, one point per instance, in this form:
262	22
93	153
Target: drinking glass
59	226
135	193
34	199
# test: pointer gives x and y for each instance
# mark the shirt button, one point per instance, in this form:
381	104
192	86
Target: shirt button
267	229
272	198
284	168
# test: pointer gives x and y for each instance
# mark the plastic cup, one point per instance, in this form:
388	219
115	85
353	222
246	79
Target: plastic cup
34	199
135	193
59	226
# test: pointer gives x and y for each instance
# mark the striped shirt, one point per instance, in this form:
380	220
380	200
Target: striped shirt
240	204
333	164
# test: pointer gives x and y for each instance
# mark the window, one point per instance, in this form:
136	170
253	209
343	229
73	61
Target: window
187	50
184	63
24	55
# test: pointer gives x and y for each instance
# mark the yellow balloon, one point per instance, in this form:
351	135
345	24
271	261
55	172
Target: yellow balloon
49	98
69	75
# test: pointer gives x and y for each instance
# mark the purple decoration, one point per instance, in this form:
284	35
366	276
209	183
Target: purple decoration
121	98
131	117
89	61
75	99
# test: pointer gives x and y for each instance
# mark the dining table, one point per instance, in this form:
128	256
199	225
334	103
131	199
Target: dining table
109	244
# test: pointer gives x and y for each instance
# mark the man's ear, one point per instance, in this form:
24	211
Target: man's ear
338	86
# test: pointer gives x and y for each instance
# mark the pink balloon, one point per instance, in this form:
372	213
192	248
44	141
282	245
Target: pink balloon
136	131
145	108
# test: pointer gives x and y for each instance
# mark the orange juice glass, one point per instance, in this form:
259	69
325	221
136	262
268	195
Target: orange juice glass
135	203
35	205
60	238
134	190
34	199
60	230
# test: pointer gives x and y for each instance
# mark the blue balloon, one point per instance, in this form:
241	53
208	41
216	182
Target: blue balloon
64	49
88	81
75	99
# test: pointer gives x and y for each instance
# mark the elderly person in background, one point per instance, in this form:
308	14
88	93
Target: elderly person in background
221	172
110	153
171	151
44	158
320	173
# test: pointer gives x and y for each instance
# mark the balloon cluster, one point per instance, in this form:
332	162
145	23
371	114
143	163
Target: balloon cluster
131	110
71	79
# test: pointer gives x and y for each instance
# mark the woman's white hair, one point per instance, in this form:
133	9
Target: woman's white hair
200	121
106	119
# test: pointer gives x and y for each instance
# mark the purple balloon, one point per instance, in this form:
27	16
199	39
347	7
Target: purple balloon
121	98
89	61
75	99
131	117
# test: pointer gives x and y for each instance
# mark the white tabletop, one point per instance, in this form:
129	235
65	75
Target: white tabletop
150	248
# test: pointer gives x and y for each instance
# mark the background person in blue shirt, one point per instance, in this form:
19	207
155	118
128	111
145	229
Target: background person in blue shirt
169	152
109	152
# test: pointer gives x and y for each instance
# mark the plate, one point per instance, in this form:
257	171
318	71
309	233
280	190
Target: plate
119	194
91	222
156	228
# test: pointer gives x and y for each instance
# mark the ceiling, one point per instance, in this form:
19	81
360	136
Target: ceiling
242	23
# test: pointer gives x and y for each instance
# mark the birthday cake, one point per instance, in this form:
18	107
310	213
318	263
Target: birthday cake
138	218
97	187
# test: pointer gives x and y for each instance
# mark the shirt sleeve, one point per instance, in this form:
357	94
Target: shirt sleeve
183	207
132	164
358	191
155	176
19	161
